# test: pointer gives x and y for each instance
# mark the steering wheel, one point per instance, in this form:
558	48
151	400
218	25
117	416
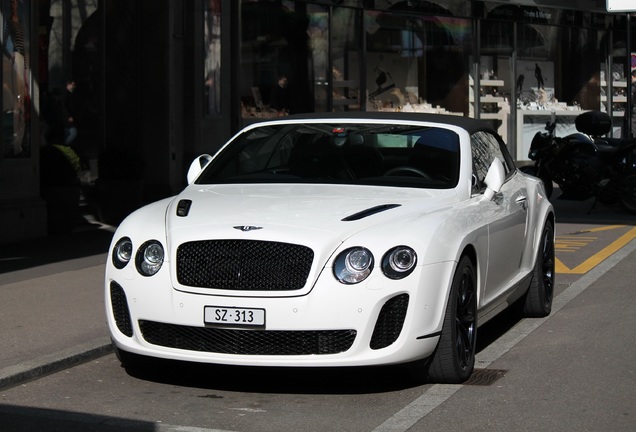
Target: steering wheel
407	170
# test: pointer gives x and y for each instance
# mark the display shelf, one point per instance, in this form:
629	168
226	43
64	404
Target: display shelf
490	105
345	95
614	97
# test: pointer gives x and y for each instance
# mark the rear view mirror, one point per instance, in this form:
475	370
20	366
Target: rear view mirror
197	166
495	178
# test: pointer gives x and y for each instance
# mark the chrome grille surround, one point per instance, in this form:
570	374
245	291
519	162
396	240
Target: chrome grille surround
243	265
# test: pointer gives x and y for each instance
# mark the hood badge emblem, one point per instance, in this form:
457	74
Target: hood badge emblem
247	228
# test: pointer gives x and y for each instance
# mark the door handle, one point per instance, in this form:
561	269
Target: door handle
522	201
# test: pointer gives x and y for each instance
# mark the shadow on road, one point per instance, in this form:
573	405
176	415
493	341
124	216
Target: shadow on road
589	212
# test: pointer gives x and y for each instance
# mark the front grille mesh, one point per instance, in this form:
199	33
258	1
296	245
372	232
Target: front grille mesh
247	342
243	265
120	309
390	322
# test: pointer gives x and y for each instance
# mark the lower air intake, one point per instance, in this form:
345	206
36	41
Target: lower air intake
247	342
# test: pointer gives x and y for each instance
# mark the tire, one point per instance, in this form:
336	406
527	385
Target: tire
628	193
537	302
454	358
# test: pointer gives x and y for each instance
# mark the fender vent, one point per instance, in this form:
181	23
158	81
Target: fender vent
370	211
120	309
390	322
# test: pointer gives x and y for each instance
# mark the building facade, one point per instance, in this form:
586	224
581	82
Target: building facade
171	79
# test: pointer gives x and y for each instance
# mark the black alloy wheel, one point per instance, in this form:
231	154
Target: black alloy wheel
454	358
538	299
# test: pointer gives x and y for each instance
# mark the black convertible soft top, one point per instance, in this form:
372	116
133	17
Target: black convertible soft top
471	125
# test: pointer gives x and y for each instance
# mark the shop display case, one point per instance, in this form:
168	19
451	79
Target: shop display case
345	95
529	122
490	103
614	88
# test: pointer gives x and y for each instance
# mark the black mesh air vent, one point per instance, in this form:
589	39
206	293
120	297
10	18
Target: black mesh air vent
390	322
243	265
120	309
247	342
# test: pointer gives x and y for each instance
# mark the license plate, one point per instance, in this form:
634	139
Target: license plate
234	316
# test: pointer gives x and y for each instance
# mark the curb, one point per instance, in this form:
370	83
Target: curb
30	370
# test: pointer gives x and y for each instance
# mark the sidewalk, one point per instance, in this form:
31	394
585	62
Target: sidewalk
52	303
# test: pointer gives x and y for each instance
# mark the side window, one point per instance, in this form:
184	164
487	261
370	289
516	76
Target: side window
485	148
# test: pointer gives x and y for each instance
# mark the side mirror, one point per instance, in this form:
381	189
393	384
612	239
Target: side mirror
197	166
495	178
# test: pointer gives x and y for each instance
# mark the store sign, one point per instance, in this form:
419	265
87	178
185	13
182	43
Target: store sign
621	6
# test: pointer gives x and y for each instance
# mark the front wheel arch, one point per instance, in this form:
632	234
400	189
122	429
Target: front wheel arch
454	358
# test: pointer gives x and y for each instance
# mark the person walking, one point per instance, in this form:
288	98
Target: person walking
69	112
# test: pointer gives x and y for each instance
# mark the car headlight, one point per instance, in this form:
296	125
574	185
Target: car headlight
353	265
149	258
399	262
122	252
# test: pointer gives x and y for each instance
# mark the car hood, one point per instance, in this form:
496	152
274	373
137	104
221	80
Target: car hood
294	213
320	217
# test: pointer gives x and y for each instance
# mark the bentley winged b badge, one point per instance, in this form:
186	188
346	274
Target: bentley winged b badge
246	228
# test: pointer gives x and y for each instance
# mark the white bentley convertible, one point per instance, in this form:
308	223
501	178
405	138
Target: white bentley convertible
335	240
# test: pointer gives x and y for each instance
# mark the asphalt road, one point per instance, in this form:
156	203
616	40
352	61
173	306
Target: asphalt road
573	370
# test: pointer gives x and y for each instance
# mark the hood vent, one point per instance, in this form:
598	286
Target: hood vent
183	208
370	211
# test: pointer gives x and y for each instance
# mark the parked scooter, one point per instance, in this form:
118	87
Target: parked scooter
584	164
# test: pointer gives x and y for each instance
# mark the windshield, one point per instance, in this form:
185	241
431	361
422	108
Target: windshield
364	154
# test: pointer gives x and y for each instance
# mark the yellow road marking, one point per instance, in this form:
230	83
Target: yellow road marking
601	255
604	228
571	243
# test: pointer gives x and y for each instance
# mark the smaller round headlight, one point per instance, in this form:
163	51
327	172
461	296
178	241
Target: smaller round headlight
399	262
122	253
353	265
149	258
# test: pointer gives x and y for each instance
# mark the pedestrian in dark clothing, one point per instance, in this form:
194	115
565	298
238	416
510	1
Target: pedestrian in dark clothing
69	112
279	99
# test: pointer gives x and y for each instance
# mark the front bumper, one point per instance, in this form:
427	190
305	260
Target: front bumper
379	321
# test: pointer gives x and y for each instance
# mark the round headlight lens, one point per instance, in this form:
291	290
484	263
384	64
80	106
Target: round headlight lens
122	252
399	262
150	258
353	265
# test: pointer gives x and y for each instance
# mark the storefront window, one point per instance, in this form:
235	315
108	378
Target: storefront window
615	83
494	79
345	52
417	63
284	58
16	79
212	56
558	71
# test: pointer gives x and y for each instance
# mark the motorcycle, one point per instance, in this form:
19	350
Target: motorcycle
585	164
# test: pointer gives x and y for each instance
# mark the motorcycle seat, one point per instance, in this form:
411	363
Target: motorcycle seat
608	146
608	143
